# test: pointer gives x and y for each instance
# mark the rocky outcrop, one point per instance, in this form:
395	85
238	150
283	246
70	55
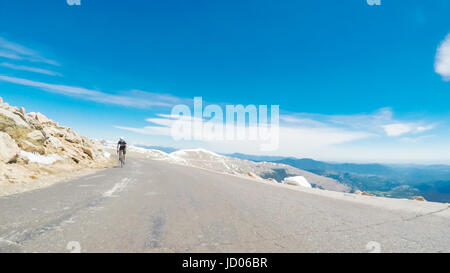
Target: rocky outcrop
252	175
39	117
33	146
419	198
358	192
271	180
9	150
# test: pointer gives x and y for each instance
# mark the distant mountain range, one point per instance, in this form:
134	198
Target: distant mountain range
256	158
398	181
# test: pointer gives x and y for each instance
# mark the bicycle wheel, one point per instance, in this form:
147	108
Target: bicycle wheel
121	159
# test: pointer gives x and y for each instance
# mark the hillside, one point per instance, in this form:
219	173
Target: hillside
398	181
36	151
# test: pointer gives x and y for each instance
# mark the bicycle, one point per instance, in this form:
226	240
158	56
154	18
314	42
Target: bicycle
121	158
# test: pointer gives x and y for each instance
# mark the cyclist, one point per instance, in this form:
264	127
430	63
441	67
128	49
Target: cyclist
122	148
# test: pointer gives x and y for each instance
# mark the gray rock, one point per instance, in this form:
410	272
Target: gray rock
9	150
53	142
36	136
14	119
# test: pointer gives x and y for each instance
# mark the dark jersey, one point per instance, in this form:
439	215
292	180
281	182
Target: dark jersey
122	144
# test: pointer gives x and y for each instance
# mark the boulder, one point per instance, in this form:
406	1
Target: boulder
88	152
36	136
39	117
73	137
9	151
366	193
52	131
358	192
30	147
419	198
53	142
76	160
22	111
10	119
271	180
252	175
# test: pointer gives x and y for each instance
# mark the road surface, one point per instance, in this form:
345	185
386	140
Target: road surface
153	206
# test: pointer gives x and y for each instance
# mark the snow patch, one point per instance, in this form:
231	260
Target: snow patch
40	159
118	187
180	153
297	181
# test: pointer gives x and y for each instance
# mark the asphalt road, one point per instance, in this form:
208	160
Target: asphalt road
153	206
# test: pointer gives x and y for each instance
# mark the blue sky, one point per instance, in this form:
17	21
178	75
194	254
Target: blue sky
354	82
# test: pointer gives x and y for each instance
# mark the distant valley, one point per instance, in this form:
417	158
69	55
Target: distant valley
397	181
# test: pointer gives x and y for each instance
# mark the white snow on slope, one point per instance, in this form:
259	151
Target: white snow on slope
151	153
40	159
181	153
297	181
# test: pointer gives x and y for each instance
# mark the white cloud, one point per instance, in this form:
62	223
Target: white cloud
148	130
16	51
442	60
305	121
133	98
30	69
417	139
292	140
366	122
420	129
9	55
397	129
381	122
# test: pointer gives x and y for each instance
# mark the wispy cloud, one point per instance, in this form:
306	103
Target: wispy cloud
399	129
442	61
30	69
381	122
293	140
15	51
133	98
8	55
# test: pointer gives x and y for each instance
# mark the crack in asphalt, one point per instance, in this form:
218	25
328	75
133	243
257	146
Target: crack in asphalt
18	238
275	239
427	214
